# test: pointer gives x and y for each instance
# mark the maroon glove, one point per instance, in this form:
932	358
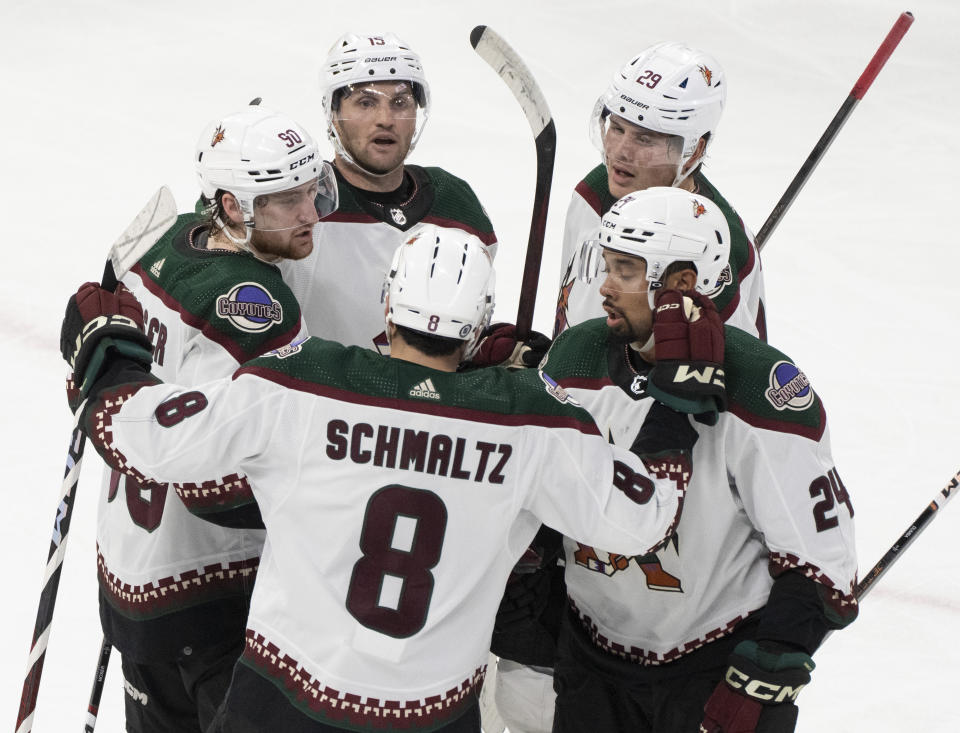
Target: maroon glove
499	346
688	376
97	321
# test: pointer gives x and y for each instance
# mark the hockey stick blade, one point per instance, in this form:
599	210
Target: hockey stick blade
510	67
144	231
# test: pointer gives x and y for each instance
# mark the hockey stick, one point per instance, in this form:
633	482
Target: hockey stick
510	67
856	94
93	706
907	538
148	226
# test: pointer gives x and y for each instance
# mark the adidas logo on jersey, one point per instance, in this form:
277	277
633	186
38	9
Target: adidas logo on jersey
155	267
425	389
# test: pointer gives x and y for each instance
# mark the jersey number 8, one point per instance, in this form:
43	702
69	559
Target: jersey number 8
401	541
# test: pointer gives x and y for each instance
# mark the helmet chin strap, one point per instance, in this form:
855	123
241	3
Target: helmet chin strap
244	243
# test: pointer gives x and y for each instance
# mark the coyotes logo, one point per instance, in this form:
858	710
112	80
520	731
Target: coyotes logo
698	209
218	136
707	74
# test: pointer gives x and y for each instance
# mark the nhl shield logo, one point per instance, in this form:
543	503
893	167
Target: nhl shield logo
398	216
250	307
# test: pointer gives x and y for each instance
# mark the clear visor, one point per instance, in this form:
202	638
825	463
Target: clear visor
374	100
614	270
302	205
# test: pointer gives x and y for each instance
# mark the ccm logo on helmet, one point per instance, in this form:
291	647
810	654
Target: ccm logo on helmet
303	161
760	690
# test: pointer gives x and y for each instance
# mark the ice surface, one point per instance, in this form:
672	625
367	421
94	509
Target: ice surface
103	101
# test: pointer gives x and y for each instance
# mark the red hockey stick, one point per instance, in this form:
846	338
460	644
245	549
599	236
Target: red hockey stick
856	94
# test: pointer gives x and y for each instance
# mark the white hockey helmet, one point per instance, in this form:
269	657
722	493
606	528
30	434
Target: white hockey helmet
663	225
668	88
257	151
358	58
441	283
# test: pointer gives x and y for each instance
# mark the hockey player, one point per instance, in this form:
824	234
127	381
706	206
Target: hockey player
397	493
762	563
175	590
653	126
376	99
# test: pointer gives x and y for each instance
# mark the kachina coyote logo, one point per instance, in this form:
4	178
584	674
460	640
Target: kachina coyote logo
706	73
218	136
789	388
250	307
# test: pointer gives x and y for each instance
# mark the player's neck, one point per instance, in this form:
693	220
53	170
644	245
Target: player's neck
362	179
400	349
646	350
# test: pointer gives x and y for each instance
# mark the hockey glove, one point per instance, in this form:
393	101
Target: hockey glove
98	326
688	375
499	346
758	691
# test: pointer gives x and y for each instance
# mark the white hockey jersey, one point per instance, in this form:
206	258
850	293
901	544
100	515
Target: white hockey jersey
765	497
739	298
397	499
339	284
205	313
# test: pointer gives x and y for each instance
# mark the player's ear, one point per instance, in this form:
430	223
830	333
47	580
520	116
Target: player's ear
682	280
697	157
231	207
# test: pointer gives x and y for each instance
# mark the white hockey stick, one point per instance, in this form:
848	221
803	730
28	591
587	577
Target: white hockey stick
143	232
515	74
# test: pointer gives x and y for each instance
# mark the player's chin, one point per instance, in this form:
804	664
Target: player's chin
300	247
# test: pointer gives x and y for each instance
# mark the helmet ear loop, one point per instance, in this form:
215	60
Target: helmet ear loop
247	224
474	343
684	159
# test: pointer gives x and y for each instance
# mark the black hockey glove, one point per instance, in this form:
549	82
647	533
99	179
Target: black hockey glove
499	346
99	326
688	375
758	691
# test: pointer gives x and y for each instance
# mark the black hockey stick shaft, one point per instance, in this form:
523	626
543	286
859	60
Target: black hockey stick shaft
856	94
48	596
546	145
907	538
149	225
93	707
510	67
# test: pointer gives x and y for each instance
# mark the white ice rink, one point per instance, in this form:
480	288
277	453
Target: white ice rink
102	102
